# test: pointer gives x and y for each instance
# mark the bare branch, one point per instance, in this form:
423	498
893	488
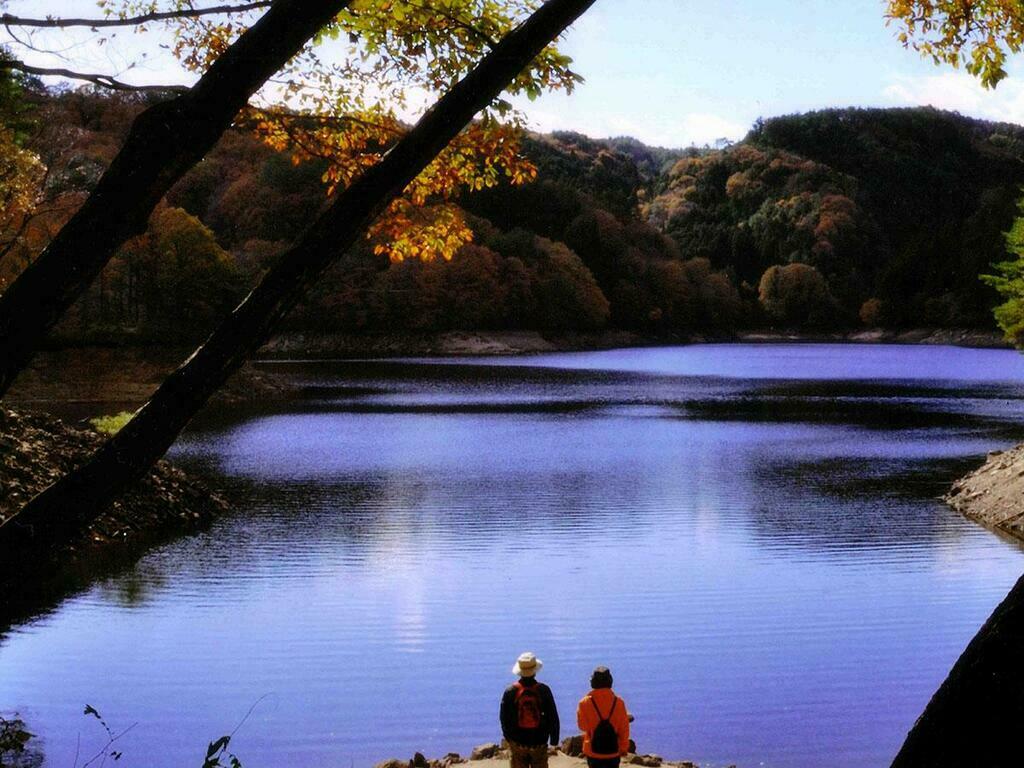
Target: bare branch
132	21
105	81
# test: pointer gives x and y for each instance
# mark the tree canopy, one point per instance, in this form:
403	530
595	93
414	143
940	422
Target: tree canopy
344	97
339	109
976	34
866	197
61	509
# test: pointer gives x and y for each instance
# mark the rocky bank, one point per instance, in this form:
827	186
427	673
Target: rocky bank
953	337
484	343
36	449
105	379
449	344
993	494
567	755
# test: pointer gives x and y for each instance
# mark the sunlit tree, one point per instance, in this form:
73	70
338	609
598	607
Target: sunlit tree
1009	281
326	79
978	35
797	295
62	509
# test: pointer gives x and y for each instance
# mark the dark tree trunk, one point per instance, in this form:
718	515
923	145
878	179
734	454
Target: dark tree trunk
66	506
165	141
974	720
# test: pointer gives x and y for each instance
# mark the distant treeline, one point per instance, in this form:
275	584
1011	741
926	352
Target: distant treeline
899	210
832	219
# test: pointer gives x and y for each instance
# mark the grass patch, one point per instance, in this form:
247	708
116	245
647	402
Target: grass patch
111	425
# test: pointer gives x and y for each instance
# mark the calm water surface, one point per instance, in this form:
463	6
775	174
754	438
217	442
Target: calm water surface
747	535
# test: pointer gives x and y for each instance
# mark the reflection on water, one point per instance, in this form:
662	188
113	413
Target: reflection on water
748	536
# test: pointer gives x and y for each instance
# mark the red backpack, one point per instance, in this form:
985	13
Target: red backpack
528	708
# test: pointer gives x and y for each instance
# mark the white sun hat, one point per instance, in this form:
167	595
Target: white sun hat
527	665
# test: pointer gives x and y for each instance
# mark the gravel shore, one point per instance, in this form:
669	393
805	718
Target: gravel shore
36	449
567	755
993	494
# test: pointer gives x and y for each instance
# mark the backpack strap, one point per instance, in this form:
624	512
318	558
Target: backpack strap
533	690
615	701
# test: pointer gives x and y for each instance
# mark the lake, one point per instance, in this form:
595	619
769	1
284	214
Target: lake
749	536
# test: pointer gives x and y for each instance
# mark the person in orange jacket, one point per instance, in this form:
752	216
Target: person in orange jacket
603	718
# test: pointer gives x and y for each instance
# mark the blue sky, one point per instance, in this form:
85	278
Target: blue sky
676	72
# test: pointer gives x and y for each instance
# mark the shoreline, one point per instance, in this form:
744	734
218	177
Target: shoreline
75	381
568	754
993	494
81	382
501	343
37	448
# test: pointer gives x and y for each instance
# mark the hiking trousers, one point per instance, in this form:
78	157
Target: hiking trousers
523	756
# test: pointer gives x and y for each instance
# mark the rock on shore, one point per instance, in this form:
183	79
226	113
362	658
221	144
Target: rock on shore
993	495
956	337
497	756
36	449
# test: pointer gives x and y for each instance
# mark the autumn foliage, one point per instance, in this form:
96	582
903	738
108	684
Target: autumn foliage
344	99
906	206
976	34
610	234
797	296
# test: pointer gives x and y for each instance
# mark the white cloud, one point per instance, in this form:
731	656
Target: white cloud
960	92
703	128
663	130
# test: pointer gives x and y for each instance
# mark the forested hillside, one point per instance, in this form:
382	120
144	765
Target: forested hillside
834	219
902	208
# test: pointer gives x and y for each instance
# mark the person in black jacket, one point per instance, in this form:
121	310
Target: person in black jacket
529	719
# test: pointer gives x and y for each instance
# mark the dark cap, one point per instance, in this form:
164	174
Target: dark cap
602	678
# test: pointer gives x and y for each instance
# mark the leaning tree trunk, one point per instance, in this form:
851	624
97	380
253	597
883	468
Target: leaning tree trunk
974	719
65	507
165	141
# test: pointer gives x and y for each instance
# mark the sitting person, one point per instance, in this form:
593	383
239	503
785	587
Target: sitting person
603	718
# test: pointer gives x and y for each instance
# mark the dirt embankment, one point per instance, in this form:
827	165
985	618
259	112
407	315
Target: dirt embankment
954	337
455	343
450	344
993	494
118	377
37	449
